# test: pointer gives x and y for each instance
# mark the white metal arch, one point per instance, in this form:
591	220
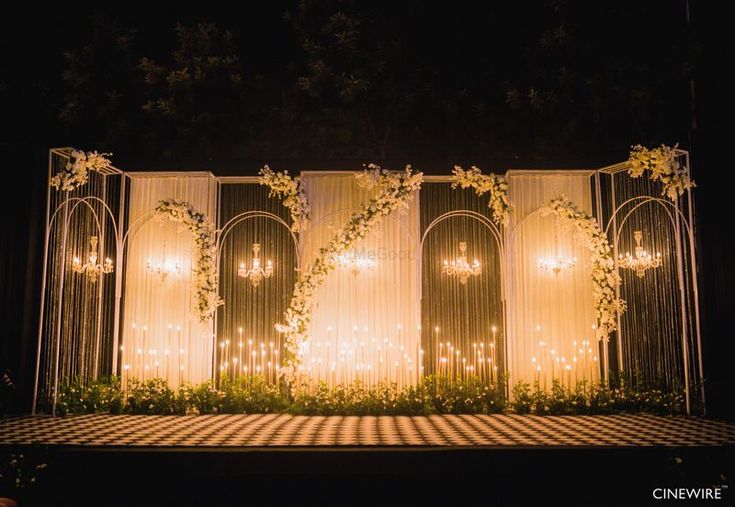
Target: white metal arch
247	215
68	214
674	218
473	215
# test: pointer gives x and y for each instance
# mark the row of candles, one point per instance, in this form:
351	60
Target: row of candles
248	357
481	362
146	361
567	365
359	357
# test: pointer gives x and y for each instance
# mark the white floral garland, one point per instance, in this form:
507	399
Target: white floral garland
663	165
76	172
395	191
482	183
291	190
604	277
204	271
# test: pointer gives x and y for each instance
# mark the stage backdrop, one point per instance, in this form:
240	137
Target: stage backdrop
162	335
550	316
366	321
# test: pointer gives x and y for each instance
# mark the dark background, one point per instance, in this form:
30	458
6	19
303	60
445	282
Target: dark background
333	85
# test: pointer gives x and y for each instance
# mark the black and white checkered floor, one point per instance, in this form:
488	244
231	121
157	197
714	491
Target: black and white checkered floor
265	430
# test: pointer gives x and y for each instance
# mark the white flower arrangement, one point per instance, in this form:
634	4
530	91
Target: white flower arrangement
662	164
291	191
76	172
204	270
396	190
605	279
497	186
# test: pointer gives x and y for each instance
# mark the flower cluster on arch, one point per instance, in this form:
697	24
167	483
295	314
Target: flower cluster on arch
497	186
662	165
204	269
394	191
605	279
291	191
76	172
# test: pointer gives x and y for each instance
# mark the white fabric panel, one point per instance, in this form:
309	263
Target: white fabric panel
550	316
162	335
365	326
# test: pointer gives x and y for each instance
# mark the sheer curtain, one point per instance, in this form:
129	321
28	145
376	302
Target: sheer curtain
365	325
162	336
550	315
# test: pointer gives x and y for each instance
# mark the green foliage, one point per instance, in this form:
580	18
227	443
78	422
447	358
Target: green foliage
434	395
595	399
250	395
90	397
154	397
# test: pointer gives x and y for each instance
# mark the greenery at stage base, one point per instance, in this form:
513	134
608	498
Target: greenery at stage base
434	395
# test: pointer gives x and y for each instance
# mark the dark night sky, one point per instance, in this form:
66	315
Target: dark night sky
608	74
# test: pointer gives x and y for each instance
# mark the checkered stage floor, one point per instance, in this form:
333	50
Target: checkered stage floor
264	430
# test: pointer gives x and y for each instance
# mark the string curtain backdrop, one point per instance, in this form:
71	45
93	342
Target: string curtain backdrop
162	334
248	343
389	312
462	329
551	315
365	324
653	331
77	317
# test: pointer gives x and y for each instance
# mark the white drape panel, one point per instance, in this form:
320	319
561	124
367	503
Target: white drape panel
550	316
162	335
364	326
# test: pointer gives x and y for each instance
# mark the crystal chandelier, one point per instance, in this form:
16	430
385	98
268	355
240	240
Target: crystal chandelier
354	263
460	267
165	268
642	260
91	268
556	264
256	272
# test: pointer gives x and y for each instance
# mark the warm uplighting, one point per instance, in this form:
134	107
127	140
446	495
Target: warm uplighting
460	267
642	260
91	267
256	273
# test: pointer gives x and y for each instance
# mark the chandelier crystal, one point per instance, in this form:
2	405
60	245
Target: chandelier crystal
642	260
355	263
165	269
256	273
91	268
460	268
557	265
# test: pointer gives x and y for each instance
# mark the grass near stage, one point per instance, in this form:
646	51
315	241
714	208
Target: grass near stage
434	395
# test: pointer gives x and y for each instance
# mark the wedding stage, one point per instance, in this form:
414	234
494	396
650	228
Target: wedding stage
198	460
284	430
525	282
